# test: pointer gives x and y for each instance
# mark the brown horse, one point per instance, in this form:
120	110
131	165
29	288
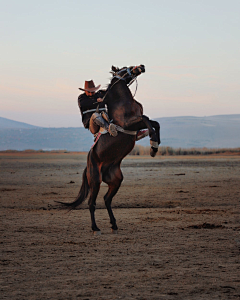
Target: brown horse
104	159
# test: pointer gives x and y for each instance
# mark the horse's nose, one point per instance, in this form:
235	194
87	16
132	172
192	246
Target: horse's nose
142	68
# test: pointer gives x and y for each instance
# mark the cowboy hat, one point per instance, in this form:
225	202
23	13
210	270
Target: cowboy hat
90	86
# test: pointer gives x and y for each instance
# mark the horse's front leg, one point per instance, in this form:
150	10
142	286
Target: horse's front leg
154	134
142	122
156	127
153	127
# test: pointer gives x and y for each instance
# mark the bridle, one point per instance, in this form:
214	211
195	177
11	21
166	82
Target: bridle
128	72
116	74
119	77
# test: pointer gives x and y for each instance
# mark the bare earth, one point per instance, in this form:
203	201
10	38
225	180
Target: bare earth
179	230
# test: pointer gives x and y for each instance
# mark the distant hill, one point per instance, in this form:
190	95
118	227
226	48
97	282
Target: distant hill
215	131
7	124
179	132
71	139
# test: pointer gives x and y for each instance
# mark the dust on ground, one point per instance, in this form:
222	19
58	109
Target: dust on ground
178	238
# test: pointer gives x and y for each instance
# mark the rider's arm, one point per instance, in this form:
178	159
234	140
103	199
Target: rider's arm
83	103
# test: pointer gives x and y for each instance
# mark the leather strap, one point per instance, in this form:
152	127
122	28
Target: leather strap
119	128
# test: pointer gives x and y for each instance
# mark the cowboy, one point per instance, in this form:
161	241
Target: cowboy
88	103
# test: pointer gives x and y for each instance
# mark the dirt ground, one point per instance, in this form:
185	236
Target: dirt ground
178	219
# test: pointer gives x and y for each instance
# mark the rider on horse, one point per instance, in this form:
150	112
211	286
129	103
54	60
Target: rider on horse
104	159
88	103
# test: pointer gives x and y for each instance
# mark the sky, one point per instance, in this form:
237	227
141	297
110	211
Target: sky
190	48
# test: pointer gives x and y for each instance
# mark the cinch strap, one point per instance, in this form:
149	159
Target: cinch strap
92	110
125	131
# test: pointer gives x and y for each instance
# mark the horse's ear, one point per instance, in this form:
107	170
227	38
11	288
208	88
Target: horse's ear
114	69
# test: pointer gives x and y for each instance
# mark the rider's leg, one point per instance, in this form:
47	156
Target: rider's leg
98	120
105	116
93	127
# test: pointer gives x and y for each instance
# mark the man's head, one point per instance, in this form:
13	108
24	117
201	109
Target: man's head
90	88
89	93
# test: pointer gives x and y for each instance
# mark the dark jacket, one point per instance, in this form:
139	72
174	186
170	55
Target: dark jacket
86	103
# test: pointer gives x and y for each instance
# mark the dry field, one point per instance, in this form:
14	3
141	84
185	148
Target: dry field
178	219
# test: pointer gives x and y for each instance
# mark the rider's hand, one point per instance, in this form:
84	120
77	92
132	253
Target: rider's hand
99	100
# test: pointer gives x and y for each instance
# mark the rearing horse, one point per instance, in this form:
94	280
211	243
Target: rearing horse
104	159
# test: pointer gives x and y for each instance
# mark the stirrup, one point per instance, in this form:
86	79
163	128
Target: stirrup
112	130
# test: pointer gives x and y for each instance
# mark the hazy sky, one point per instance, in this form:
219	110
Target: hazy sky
191	50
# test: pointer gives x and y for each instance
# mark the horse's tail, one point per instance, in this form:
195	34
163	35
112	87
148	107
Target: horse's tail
82	195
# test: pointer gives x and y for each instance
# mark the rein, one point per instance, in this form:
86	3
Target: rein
135	79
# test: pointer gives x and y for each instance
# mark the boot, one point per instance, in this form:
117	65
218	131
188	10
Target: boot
98	119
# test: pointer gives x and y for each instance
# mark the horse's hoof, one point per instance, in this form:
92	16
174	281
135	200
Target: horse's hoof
98	232
114	231
153	151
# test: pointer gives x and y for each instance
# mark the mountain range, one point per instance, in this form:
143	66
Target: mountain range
221	131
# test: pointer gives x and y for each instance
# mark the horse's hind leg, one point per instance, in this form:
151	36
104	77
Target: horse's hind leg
94	181
94	189
113	177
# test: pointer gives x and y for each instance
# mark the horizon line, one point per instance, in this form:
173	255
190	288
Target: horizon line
184	116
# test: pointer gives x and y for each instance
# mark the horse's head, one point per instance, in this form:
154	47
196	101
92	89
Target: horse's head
127	73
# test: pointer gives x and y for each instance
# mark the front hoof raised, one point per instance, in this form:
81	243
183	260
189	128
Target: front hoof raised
153	151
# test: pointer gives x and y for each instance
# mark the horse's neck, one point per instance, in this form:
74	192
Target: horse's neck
121	105
121	93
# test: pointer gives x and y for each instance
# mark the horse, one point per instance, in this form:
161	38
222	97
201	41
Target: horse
104	159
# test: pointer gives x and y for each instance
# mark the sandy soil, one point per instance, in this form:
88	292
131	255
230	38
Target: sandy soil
179	230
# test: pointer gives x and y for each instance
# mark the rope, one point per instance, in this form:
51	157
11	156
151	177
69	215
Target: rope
135	79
